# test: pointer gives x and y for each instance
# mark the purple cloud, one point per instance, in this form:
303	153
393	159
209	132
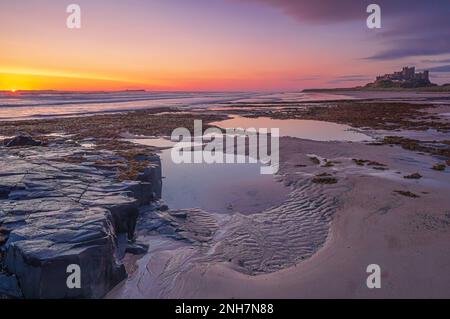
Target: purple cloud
436	61
307	78
410	27
320	11
439	69
324	11
417	35
351	78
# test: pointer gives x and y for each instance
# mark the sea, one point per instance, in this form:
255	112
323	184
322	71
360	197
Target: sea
44	104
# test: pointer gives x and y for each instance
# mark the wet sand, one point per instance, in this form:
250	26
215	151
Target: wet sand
319	243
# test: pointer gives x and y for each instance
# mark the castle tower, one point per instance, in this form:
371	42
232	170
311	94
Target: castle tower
409	73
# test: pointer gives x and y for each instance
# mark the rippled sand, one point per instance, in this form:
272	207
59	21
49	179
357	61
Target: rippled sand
318	242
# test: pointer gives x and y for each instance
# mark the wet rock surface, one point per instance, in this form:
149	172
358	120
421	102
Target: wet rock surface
55	213
21	140
194	225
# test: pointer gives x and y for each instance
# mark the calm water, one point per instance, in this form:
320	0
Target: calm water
306	129
220	188
241	188
49	104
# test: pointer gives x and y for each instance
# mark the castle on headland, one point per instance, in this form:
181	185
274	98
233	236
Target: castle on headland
406	74
406	78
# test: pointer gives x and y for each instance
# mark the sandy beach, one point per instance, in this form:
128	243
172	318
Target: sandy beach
370	224
319	243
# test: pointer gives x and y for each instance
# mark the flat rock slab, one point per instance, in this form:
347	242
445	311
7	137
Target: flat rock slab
59	214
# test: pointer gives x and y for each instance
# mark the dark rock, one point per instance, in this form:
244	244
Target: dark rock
163	208
21	140
153	175
4	230
439	167
413	176
136	248
124	218
142	192
9	286
40	251
191	225
407	194
55	213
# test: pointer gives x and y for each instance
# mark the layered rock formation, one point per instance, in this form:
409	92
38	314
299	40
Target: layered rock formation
55	213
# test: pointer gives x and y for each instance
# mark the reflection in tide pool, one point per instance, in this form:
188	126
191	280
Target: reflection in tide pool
237	187
306	129
155	142
217	188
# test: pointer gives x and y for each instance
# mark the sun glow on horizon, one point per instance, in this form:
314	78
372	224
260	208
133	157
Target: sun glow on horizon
15	81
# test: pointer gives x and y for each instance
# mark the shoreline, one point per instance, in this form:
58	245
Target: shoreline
240	99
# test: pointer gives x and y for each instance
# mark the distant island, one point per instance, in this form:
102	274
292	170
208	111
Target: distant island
406	79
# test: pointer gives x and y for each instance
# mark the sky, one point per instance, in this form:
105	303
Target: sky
218	45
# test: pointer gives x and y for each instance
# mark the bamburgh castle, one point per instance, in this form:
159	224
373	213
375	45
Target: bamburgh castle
406	74
406	78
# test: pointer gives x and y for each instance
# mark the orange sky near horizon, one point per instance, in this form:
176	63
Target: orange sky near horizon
162	45
220	45
27	80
